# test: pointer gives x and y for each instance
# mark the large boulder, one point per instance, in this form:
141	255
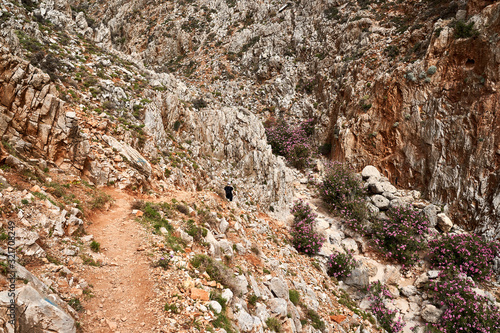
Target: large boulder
38	314
370	171
431	314
380	202
279	288
444	223
133	156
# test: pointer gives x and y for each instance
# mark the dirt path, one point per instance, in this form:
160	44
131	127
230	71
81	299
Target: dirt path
122	287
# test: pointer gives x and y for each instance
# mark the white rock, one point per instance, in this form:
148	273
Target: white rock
227	294
370	171
215	306
431	314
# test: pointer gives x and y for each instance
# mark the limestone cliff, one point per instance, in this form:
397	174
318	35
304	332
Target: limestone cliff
410	87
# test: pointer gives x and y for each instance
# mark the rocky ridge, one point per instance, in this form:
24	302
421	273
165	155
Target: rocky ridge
376	76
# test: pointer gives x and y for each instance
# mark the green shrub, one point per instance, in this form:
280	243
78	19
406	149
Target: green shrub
88	260
273	324
171	308
331	13
464	30
304	238
75	304
163	262
217	271
183	209
253	299
385	316
466	253
294	296
99	200
177	125
464	309
392	51
199	103
194	231
315	319
95	246
4	268
292	143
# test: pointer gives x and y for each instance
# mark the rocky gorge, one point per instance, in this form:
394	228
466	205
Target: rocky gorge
122	121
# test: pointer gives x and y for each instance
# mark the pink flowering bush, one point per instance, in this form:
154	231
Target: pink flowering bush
345	194
386	317
468	253
464	309
292	143
304	238
402	236
340	265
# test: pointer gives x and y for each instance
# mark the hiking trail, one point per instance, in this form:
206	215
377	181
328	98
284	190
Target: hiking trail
122	286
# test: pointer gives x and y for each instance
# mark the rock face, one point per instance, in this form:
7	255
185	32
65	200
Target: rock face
37	313
31	115
422	109
233	136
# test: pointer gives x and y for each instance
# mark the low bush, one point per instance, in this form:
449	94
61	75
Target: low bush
183	209
294	296
340	265
468	253
163	262
273	324
95	246
464	309
385	316
402	236
194	231
344	194
221	320
304	238
292	143
464	30
171	308
315	319
302	212
75	304
99	200
217	271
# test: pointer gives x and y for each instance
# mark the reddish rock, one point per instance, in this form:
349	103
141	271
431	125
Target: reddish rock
200	294
338	318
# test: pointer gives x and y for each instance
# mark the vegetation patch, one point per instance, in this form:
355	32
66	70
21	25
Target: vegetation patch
385	316
402	236
464	30
344	194
95	246
292	143
273	324
217	271
466	253
294	296
304	238
464	309
99	200
340	265
194	231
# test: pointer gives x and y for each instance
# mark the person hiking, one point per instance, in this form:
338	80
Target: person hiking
229	191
